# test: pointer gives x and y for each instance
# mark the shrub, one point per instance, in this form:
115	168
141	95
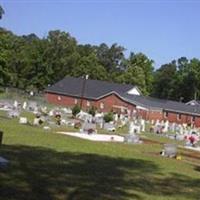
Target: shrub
92	111
75	110
108	117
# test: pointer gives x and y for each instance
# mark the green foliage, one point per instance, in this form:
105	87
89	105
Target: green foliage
75	110
1	12
178	80
29	62
92	111
108	117
138	71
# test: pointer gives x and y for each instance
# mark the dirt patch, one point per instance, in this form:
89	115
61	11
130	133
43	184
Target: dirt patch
148	141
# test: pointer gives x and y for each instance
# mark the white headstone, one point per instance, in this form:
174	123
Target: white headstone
15	104
24	105
23	120
142	122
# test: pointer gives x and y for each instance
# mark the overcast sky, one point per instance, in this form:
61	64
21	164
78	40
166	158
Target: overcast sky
163	30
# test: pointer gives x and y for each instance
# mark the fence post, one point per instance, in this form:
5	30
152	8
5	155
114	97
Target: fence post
1	137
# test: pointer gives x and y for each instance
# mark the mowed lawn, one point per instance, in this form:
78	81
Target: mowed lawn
45	165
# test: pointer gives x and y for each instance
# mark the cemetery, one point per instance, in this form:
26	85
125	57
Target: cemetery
44	131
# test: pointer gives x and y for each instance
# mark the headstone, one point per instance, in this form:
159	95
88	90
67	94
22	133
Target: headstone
142	122
15	104
51	113
132	139
23	120
32	106
115	117
134	128
13	113
170	150
47	128
24	105
36	121
109	127
166	127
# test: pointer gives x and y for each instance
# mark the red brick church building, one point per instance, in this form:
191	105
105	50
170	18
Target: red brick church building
121	98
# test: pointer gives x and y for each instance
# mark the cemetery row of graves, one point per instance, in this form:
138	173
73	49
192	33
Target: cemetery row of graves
91	124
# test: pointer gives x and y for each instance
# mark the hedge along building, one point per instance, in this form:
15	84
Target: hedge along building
120	98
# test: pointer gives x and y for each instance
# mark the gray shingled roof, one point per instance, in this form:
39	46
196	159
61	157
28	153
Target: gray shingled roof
168	105
94	89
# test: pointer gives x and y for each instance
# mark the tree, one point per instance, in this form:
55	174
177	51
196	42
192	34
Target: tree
190	83
61	54
110	58
164	78
138	71
89	65
2	12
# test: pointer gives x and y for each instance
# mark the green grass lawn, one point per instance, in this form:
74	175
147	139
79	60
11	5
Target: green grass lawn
44	165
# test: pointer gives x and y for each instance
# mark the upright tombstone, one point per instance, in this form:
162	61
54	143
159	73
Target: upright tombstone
15	104
115	117
142	123
173	127
166	126
181	130
131	128
170	150
24	105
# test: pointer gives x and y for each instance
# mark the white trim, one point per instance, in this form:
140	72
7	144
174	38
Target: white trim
134	91
142	108
192	103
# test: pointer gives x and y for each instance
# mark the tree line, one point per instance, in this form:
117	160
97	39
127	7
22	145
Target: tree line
31	63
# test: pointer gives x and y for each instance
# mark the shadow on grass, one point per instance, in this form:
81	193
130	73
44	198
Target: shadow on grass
41	173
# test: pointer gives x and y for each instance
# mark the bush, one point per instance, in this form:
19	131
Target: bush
108	117
75	110
92	111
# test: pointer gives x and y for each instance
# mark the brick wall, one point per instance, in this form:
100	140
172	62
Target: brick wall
111	101
180	118
105	104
